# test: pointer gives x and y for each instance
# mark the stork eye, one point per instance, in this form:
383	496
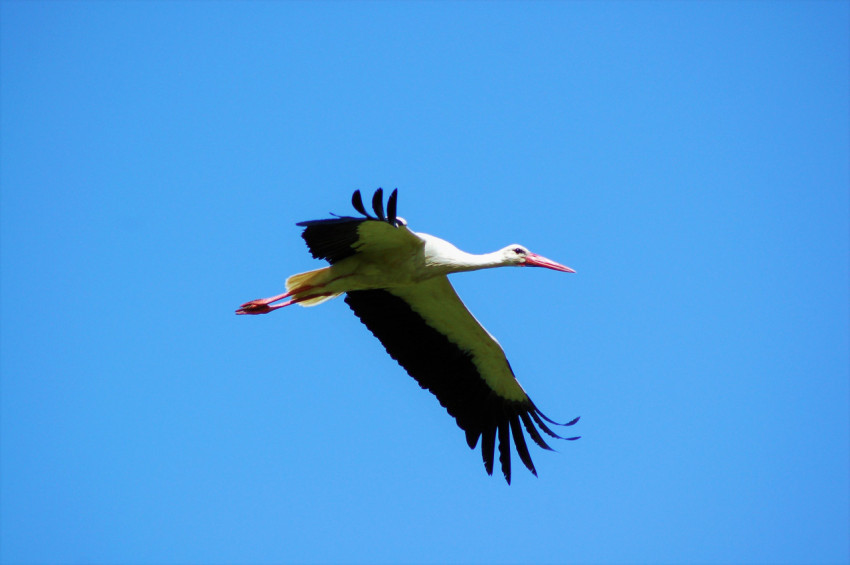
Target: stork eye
519	250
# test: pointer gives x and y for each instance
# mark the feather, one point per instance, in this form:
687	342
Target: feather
505	449
357	202
391	207
378	203
521	446
488	444
532	431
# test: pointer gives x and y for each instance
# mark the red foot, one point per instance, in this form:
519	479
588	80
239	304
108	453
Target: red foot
254	307
261	305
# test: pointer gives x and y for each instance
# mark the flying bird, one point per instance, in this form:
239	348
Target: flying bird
395	281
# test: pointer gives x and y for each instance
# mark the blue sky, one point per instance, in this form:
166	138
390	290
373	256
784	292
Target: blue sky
688	159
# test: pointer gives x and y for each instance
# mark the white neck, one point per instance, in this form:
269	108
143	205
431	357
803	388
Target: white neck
446	257
470	262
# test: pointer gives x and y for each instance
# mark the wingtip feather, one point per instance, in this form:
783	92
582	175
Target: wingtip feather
488	449
472	438
521	445
378	203
505	450
357	202
391	207
532	431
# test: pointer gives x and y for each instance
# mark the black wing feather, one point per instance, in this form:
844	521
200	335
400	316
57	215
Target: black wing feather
378	204
391	207
505	449
441	367
357	202
472	438
333	239
488	448
521	446
532	431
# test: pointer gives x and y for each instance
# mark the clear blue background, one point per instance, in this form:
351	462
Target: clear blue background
689	160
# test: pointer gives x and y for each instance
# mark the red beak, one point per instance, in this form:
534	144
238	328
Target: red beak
535	260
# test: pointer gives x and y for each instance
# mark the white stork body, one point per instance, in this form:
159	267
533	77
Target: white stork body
395	281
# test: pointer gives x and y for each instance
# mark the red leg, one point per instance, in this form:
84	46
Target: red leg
263	305
268	309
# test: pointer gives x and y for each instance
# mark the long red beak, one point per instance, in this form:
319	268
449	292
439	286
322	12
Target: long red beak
535	260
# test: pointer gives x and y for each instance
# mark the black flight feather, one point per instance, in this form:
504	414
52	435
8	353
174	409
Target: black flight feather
488	447
521	446
391	207
535	414
505	449
357	202
472	438
570	423
532	431
333	239
378	204
448	372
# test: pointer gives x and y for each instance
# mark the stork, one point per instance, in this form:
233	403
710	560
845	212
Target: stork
396	282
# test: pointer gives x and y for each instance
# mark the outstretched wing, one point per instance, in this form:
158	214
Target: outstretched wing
429	331
335	239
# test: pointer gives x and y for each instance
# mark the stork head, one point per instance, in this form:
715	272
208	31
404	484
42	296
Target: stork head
518	255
